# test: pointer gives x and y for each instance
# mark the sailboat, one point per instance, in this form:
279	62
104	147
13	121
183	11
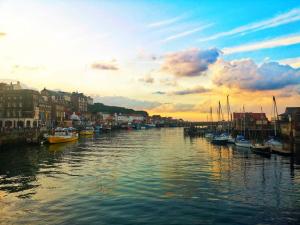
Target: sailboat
210	135
260	147
230	138
274	143
223	137
241	141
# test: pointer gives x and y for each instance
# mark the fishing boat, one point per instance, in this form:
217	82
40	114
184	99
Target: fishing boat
62	135
261	149
87	131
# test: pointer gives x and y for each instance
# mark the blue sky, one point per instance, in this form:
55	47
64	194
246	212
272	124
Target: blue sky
190	52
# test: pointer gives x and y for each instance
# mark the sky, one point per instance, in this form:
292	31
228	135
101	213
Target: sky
174	58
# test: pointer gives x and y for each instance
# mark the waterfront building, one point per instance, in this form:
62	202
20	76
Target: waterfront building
250	120
19	108
61	105
45	112
290	122
80	102
11	86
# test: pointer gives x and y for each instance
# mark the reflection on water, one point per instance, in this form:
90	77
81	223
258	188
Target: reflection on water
146	177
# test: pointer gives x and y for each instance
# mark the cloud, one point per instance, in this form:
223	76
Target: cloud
159	93
27	68
276	42
171	107
126	102
294	62
104	66
186	33
147	79
189	63
195	90
165	22
285	18
168	82
245	74
144	56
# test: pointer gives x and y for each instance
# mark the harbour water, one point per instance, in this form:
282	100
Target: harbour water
152	176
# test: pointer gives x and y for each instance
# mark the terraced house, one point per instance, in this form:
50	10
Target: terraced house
19	108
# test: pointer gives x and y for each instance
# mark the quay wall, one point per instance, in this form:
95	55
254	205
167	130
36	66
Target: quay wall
20	136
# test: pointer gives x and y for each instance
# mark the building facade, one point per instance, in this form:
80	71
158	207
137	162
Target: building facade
19	108
251	121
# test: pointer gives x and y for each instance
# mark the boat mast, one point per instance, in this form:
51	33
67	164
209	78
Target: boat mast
228	113
275	115
221	114
211	119
244	121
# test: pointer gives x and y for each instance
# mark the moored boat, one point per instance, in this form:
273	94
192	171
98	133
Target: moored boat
243	143
62	135
261	149
220	139
278	147
209	135
87	131
231	140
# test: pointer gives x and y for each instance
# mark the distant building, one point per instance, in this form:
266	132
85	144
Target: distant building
19	108
61	105
129	118
290	122
80	102
250	120
11	86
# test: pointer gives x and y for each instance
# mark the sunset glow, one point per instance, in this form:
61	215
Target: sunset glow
173	58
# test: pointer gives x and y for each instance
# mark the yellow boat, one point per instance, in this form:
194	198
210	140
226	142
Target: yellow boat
87	131
62	136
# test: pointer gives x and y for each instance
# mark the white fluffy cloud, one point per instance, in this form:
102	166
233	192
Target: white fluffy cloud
189	63
246	74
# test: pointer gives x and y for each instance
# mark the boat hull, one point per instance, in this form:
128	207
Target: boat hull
262	150
280	150
86	132
243	145
58	139
219	141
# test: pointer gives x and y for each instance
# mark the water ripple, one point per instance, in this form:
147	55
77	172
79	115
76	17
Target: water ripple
146	177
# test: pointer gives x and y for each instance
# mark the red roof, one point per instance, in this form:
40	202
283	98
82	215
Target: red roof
255	116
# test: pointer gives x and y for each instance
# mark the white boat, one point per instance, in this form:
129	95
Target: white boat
231	140
220	139
243	143
209	135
